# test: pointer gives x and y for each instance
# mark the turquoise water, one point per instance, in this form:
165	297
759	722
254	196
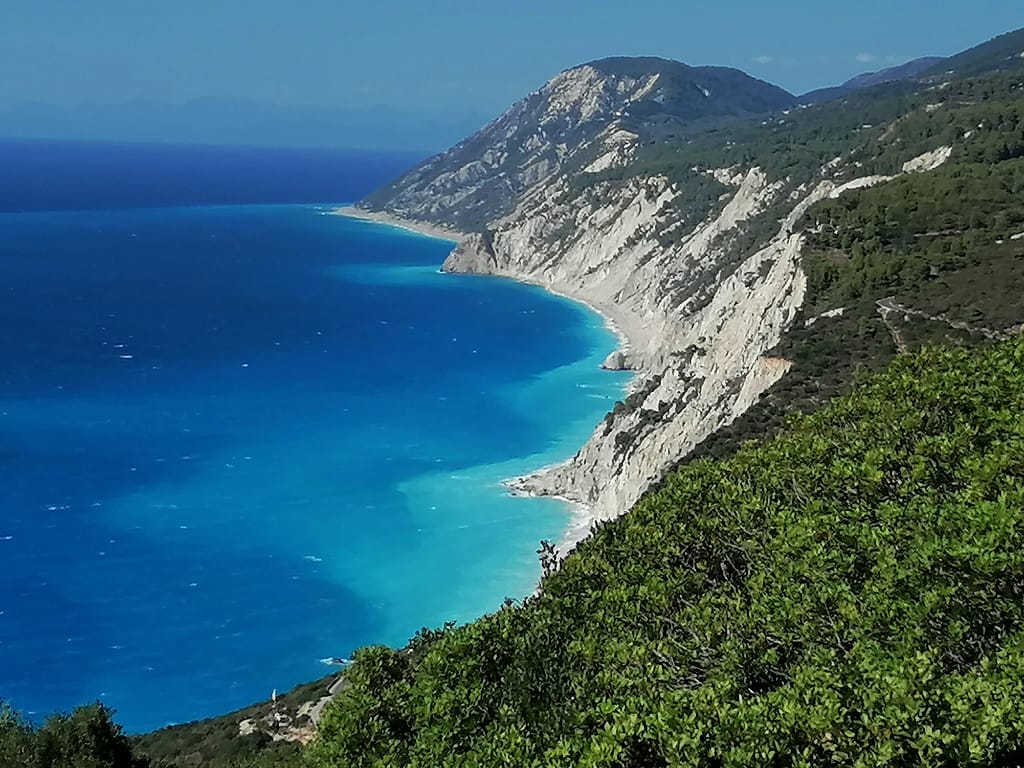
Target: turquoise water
236	440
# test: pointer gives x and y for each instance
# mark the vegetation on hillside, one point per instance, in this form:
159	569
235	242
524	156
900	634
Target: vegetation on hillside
940	243
874	130
217	743
1002	52
86	738
851	592
895	238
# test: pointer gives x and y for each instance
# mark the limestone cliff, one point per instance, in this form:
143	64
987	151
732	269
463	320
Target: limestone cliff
701	291
696	335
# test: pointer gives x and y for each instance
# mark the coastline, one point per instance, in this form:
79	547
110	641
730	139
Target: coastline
613	321
581	516
417	227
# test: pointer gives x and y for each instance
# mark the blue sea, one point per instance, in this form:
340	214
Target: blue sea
239	434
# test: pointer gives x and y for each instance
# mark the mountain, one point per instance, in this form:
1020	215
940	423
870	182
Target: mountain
1002	53
906	71
582	108
900	72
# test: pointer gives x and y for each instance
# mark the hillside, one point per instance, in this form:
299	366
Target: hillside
1002	53
906	71
848	593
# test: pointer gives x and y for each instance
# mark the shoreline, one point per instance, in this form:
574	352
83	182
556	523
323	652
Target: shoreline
409	225
581	516
614	325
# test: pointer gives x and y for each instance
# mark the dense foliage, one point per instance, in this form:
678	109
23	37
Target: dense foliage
896	237
1002	52
87	738
850	592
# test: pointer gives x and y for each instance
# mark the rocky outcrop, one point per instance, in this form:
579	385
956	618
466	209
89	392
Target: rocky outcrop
928	161
616	361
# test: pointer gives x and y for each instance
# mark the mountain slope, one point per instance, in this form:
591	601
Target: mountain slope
907	71
1002	53
481	178
900	72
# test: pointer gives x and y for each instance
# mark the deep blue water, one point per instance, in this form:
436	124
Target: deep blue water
238	438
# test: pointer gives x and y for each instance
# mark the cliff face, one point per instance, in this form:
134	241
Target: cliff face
700	292
697	333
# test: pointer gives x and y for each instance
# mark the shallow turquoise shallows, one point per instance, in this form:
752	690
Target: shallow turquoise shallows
236	440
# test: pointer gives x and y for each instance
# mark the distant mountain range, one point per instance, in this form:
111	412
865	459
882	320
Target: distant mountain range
238	122
905	71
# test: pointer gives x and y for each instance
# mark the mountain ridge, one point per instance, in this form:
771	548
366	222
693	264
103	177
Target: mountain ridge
478	179
1001	53
905	71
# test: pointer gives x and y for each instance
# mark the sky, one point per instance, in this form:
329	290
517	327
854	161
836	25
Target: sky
432	66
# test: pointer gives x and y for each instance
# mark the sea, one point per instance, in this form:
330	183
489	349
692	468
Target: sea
241	435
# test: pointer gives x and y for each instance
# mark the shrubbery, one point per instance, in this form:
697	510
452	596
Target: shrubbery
87	738
851	592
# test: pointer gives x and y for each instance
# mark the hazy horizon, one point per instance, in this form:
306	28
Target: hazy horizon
405	76
237	122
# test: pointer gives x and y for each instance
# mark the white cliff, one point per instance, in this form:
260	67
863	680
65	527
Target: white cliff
699	305
699	357
697	325
928	161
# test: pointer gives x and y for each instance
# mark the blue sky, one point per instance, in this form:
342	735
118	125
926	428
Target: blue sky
449	60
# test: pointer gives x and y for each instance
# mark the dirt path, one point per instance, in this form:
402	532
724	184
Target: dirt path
889	306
